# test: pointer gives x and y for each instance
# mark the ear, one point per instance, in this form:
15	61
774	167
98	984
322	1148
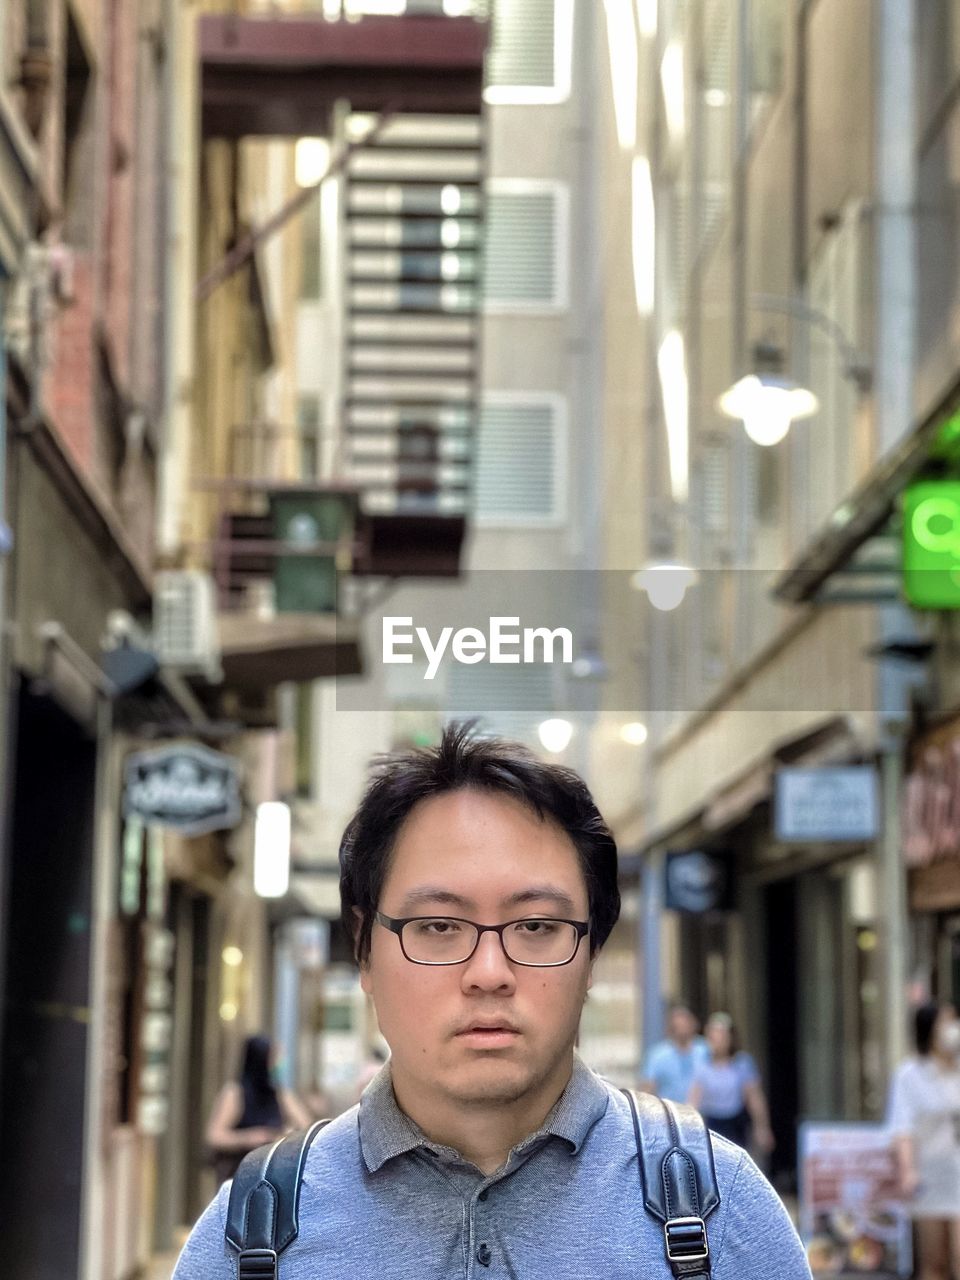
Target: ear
593	961
364	966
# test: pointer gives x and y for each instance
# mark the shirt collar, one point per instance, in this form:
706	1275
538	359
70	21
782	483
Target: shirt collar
387	1132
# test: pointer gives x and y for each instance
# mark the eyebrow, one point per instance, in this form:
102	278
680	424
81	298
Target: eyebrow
429	893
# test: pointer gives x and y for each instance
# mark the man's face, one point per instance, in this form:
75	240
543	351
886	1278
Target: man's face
483	857
683	1025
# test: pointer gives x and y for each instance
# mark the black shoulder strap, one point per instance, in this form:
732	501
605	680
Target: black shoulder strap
263	1215
678	1178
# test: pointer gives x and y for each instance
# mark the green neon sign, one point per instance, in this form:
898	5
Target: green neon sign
931	544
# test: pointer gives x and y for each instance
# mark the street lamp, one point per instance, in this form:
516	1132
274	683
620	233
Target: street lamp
766	401
768	404
665	584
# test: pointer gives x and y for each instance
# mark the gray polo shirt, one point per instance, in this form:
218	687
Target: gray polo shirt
379	1198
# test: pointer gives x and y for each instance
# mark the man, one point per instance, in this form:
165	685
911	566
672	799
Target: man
670	1065
480	884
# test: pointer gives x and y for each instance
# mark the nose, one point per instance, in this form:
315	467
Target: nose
488	969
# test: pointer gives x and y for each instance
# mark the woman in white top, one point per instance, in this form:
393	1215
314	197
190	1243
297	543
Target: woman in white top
924	1114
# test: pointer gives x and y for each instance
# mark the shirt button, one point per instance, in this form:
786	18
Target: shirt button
484	1255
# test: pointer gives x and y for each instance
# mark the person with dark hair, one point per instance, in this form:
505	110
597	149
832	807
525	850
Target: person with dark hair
670	1064
726	1088
479	884
924	1115
252	1110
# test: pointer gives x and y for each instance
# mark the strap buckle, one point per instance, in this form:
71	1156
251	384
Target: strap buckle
686	1240
257	1264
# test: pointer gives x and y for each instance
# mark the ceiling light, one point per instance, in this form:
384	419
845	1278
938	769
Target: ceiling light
622	45
643	235
271	849
634	733
672	368
665	584
555	735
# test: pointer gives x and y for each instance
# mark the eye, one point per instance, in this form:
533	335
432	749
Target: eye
537	928
439	928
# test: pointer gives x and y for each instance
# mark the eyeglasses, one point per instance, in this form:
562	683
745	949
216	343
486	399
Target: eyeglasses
538	941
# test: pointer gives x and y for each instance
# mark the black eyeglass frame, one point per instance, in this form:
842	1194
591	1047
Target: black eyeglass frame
396	924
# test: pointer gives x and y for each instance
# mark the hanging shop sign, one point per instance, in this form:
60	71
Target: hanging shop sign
931	544
931	806
188	788
697	882
852	1220
828	805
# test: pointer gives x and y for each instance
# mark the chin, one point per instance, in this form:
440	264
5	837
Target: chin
492	1081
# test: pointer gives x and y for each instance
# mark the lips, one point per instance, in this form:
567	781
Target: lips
481	1027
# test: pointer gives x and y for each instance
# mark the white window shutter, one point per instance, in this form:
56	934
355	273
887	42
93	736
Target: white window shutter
527	60
513	699
526	246
519	469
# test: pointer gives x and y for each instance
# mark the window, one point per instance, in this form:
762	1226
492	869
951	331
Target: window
834	289
716	118
766	36
520	471
530	55
515	699
311	255
526	245
309	421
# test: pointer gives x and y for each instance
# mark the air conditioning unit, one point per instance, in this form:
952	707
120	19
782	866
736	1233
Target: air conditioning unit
185	634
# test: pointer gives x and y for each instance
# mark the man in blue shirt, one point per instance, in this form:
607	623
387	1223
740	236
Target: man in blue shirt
480	884
671	1064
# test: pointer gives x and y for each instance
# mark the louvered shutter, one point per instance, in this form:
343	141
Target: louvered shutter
525	254
512	699
519	471
523	49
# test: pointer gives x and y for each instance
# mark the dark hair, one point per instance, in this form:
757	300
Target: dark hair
924	1019
464	760
255	1069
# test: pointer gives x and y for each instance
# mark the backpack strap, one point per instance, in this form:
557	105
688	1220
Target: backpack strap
263	1215
678	1178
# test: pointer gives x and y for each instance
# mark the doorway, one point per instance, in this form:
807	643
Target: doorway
782	1013
45	1014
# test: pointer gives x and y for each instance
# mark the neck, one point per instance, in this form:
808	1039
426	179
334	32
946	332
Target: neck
483	1131
945	1060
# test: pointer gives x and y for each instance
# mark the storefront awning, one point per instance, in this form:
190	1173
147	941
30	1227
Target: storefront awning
260	653
834	741
855	556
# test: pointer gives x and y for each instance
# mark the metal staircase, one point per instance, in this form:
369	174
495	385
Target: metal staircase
413	230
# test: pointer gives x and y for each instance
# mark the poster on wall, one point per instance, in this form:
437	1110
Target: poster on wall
852	1220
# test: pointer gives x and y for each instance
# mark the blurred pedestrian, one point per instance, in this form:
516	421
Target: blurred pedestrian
726	1089
924	1115
670	1064
252	1110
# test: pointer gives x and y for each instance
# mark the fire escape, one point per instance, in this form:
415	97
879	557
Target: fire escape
385	495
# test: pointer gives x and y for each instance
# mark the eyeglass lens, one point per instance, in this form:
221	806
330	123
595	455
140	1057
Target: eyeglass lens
441	940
